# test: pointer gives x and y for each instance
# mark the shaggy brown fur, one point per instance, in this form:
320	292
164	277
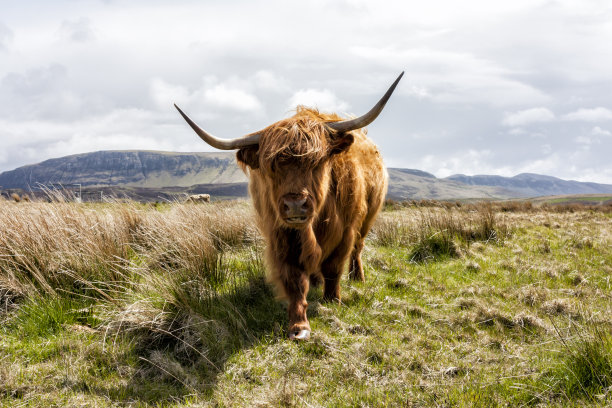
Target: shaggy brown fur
344	181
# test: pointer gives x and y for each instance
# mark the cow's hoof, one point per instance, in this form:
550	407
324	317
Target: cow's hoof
303	334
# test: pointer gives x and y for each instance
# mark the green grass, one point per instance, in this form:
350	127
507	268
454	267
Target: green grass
585	367
507	309
42	317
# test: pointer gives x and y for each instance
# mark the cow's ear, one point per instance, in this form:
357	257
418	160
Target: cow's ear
341	143
249	156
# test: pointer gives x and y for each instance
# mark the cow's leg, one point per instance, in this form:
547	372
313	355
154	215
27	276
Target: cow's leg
355	265
331	273
332	267
299	258
296	288
315	280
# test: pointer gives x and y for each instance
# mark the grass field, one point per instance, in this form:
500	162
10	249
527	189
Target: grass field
489	304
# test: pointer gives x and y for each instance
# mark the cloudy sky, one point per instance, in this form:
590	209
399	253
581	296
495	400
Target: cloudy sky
491	87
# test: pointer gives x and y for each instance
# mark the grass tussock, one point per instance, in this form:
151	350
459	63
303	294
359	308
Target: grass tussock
433	233
585	367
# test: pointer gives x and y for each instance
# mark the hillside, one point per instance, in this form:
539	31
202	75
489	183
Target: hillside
132	168
533	185
153	175
409	184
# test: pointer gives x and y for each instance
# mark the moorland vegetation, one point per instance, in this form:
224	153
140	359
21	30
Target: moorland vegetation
464	304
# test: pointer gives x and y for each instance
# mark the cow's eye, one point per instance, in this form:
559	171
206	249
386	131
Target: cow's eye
276	167
280	165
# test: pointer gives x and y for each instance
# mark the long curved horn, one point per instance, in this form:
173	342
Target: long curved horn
222	144
365	120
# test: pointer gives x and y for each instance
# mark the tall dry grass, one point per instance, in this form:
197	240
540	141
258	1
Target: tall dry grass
101	248
433	231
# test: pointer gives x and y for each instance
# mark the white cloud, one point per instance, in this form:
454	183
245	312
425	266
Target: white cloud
322	99
453	76
40	92
592	175
517	131
548	165
528	116
597	131
463	162
585	140
268	80
593	138
164	93
209	97
31	141
590	115
232	98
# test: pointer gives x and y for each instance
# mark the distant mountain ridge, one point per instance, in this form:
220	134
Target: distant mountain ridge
533	185
150	174
408	184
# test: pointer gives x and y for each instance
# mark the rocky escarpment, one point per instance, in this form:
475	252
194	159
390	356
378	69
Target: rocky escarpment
149	169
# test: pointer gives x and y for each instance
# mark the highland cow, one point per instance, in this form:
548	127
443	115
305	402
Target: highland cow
317	183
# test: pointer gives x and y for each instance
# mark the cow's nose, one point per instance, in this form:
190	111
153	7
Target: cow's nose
295	207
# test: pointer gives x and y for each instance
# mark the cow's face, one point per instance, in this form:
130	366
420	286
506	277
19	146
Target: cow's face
293	156
298	190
